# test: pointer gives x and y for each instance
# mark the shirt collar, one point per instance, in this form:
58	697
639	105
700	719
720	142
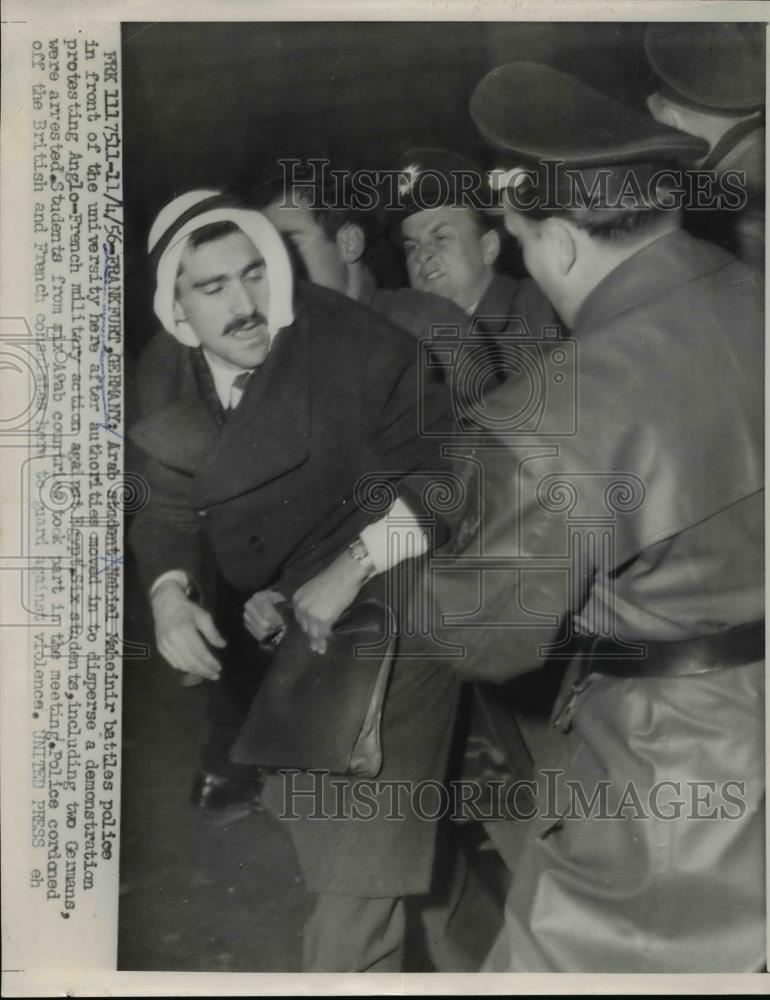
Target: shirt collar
223	374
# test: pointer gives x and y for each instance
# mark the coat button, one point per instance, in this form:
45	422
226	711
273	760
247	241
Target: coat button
203	514
256	543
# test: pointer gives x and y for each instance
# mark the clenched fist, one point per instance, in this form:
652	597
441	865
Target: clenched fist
321	602
260	615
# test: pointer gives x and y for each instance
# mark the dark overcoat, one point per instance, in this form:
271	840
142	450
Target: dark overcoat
270	495
506	302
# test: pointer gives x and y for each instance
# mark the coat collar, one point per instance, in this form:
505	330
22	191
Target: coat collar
719	157
269	431
670	261
206	386
183	428
495	305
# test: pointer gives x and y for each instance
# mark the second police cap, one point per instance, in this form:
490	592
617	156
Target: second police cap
433	177
535	112
709	65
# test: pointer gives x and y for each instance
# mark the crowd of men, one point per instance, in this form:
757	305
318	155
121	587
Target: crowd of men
599	426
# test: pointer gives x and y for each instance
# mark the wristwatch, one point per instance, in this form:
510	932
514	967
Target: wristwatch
358	551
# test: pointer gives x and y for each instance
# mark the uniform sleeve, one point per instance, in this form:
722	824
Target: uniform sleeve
520	562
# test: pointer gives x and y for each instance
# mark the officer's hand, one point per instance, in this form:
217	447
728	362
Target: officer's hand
321	602
181	626
260	615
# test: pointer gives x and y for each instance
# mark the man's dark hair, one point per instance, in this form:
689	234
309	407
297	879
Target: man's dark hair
603	216
212	231
322	201
483	221
208	234
612	225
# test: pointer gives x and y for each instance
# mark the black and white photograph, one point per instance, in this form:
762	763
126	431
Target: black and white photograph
382	411
445	375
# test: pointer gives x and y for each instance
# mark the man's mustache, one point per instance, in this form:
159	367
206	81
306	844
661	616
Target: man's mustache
255	319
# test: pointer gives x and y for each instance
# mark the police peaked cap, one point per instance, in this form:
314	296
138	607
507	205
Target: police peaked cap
717	67
534	112
430	178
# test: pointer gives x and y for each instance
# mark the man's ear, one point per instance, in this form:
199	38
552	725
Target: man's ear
490	247
351	242
179	315
561	243
663	111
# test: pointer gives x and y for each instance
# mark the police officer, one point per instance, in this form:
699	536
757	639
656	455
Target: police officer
449	230
712	85
630	536
337	246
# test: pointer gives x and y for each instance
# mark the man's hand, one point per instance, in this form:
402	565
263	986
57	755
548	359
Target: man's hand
260	615
319	603
181	625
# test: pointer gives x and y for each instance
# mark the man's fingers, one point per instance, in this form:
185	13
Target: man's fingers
316	629
260	616
256	627
185	664
205	623
200	659
169	655
189	653
255	619
180	629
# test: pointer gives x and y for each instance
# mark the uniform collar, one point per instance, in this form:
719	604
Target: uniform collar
670	261
732	138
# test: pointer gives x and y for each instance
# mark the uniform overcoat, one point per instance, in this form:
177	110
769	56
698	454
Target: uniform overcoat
637	515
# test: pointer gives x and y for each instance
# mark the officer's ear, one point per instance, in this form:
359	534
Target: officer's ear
351	242
663	111
490	247
561	244
179	315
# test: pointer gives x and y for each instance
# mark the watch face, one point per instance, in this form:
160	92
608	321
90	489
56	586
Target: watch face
358	550
360	553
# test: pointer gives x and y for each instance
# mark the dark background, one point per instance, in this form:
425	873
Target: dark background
215	105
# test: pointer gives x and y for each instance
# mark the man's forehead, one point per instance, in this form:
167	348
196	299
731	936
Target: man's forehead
430	219
226	249
290	210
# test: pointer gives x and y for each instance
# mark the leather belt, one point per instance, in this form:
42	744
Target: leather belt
735	647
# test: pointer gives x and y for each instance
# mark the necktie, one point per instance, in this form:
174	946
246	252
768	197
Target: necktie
237	389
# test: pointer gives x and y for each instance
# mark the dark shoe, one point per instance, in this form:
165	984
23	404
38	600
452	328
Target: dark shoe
212	791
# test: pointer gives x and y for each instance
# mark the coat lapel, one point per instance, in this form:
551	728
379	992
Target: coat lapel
205	382
268	433
182	432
